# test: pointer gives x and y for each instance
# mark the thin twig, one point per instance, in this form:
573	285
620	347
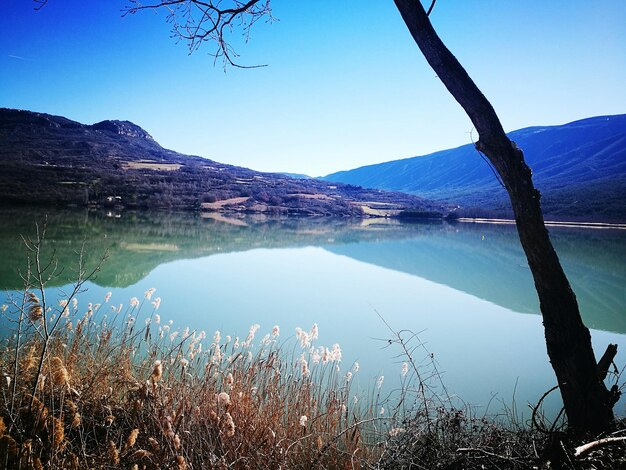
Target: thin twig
334	439
537	406
430	10
208	21
467	450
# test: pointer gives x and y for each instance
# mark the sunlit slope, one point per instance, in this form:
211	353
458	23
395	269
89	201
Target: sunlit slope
53	161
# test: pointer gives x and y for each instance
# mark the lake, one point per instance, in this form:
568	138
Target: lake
464	287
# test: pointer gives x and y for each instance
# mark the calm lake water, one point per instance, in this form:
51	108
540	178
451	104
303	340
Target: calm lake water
465	288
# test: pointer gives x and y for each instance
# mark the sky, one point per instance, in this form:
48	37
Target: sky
344	86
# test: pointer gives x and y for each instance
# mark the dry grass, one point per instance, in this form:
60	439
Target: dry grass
116	387
150	165
233	201
378	212
125	390
317	196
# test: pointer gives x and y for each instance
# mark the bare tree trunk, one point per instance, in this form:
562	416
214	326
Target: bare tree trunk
588	404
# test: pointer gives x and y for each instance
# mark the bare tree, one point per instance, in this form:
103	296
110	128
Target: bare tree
208	21
588	404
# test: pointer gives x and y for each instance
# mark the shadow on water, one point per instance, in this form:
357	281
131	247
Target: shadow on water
483	260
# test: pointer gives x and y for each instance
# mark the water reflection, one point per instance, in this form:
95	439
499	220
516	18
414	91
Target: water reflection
484	261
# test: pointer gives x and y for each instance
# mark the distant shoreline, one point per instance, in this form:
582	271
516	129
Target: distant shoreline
549	223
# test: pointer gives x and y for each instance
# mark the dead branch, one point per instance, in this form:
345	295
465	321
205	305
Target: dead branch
472	450
536	409
606	360
586	448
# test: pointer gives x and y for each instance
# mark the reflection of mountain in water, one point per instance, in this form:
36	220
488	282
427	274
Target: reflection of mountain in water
485	261
139	242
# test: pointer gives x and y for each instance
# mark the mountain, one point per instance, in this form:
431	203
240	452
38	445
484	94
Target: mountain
580	169
51	160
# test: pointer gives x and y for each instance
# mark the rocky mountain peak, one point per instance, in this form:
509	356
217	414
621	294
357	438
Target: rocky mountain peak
125	128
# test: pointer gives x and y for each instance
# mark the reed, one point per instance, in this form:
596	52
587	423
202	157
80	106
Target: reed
119	388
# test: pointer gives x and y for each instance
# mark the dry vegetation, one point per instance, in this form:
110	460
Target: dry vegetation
113	386
233	201
149	165
127	390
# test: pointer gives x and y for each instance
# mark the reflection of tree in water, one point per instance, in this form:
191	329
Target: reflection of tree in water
492	268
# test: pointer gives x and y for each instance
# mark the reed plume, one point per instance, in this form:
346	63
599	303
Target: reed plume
34	307
60	376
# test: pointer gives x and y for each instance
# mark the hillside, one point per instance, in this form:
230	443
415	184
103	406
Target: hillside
51	160
579	167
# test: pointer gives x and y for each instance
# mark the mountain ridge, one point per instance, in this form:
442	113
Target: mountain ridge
580	168
52	160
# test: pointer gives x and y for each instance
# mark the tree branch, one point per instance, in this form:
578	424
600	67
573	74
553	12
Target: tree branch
606	360
586	448
211	21
430	10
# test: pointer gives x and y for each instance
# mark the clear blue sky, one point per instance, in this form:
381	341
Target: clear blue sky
345	86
